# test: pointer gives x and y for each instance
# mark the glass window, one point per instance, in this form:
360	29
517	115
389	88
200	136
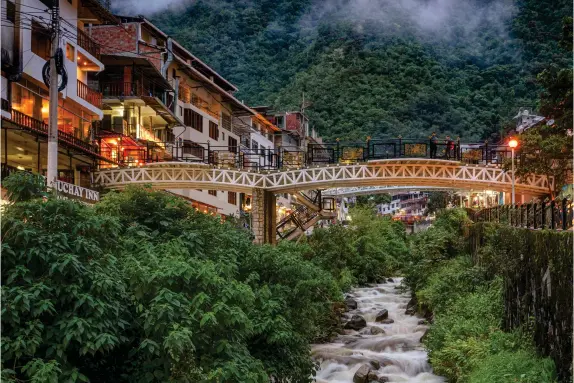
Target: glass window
213	130
232	198
40	40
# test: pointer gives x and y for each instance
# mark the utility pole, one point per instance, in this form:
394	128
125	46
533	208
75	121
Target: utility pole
53	125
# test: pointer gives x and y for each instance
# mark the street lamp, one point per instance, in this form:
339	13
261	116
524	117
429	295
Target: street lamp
513	144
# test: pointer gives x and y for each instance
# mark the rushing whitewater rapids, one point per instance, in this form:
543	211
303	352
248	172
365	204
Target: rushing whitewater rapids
398	350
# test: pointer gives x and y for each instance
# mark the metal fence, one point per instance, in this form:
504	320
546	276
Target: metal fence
555	215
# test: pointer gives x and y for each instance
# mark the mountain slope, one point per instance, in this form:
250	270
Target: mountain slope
377	67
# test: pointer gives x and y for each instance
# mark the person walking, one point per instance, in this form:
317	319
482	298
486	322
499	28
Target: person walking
449	146
433	145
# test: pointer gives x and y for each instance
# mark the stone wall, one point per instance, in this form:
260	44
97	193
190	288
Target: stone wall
263	216
536	266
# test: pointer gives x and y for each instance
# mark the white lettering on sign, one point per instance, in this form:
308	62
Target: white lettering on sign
77	191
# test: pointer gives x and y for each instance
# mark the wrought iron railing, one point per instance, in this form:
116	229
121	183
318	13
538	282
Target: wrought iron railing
121	89
284	157
92	96
555	215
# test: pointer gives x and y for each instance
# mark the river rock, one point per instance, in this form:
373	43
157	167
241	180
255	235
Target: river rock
390	280
357	322
422	322
372	377
411	307
377	330
375	364
388	321
382	315
362	374
351	304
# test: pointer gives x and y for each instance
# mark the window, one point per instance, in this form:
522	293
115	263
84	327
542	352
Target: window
256	126
213	130
193	119
232	145
173	73
232	198
254	146
70	52
10	11
262	151
40	41
223	136
226	121
212	192
181	111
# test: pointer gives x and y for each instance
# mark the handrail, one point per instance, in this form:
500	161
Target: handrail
555	215
92	96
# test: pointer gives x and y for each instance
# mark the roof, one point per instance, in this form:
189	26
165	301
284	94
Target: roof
98	9
267	123
204	66
243	109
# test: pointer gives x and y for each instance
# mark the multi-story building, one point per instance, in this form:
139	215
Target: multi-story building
26	47
407	204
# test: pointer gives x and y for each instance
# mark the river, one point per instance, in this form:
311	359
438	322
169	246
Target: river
397	351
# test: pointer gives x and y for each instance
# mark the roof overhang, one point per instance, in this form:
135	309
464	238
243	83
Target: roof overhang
148	69
98	10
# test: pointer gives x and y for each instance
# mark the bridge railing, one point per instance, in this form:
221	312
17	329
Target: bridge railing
287	157
555	215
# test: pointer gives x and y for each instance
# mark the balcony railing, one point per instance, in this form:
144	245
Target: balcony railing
88	44
121	89
41	127
90	95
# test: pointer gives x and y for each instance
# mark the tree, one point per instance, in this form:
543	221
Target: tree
373	200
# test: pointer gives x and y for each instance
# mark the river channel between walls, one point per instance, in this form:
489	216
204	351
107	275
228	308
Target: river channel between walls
387	349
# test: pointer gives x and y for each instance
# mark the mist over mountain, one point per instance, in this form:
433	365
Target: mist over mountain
376	67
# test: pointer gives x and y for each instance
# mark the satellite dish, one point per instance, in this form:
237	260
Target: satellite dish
550	122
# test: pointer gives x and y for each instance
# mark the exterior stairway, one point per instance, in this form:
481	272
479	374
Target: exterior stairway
312	209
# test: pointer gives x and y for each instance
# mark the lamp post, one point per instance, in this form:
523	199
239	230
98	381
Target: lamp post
513	144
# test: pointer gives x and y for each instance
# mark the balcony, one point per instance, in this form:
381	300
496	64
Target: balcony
120	89
88	44
40	127
88	94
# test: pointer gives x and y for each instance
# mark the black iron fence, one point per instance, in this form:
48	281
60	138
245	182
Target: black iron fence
555	215
286	157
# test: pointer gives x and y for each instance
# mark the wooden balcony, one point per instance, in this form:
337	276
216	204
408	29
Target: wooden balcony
92	96
88	44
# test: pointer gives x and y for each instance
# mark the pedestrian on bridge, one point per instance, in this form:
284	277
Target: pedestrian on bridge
433	145
449	147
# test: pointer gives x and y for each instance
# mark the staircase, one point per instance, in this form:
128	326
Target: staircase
312	208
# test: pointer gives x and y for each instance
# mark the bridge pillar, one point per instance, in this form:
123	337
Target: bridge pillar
264	216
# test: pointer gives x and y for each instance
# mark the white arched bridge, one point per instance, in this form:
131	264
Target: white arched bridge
374	165
394	172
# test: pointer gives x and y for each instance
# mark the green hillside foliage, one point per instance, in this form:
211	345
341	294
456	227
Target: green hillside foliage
142	288
380	71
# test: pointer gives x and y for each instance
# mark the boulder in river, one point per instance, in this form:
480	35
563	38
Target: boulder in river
388	321
411	307
362	374
357	322
377	330
382	315
375	364
351	304
390	280
422	322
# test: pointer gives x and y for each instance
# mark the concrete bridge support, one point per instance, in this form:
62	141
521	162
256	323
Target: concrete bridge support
264	216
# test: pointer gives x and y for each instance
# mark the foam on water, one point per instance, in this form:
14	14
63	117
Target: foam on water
399	351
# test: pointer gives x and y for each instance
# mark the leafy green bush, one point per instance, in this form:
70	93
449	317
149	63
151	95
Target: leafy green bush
143	288
371	248
23	186
510	367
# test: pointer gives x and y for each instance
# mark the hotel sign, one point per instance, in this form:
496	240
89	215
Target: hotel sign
77	192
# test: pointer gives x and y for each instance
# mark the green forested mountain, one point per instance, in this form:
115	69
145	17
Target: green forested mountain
380	67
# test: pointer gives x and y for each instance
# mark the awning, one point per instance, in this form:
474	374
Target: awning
267	123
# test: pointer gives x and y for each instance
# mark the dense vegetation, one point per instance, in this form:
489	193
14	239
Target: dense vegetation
466	342
142	288
378	67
